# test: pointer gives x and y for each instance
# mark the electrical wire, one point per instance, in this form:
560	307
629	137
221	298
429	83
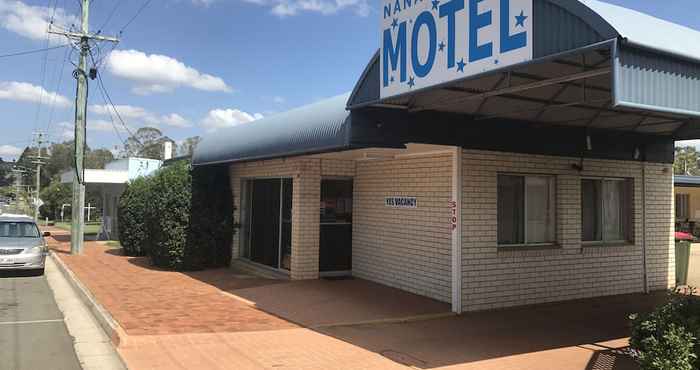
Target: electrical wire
111	103
33	51
58	86
145	4
111	13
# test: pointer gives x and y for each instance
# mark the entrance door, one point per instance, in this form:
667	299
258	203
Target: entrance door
265	222
268	211
335	253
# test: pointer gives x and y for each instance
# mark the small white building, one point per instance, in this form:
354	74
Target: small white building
111	182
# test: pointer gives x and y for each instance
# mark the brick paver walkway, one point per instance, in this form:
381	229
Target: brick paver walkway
193	321
145	300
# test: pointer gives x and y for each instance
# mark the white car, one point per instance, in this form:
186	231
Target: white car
22	245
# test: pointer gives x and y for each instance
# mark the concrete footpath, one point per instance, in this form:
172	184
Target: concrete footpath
92	346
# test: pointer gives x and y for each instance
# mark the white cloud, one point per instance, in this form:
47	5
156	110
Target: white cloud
10	151
279	100
160	73
140	115
693	143
66	130
26	92
287	8
33	21
223	118
102	125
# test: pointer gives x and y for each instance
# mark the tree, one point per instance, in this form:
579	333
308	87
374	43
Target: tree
686	162
97	159
146	142
54	196
5	171
188	146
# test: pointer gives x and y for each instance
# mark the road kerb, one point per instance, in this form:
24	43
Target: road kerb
115	332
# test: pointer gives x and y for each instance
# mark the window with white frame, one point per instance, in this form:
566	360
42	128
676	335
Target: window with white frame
606	210
682	206
526	210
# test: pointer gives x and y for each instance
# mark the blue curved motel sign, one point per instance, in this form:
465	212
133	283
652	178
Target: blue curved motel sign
429	42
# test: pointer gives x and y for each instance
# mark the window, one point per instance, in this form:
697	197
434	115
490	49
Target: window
525	210
683	206
606	210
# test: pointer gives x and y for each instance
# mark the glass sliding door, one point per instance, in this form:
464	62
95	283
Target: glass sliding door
335	254
269	229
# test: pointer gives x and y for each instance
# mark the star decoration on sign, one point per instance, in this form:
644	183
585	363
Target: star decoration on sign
411	82
395	23
495	61
435	4
520	19
441	46
461	65
392	79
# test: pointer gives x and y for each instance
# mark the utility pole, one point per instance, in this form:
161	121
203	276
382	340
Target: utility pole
38	161
81	74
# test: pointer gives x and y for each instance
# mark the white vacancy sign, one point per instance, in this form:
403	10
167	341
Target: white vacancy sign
401	202
429	42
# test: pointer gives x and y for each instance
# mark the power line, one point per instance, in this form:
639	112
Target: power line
32	51
111	13
111	103
135	15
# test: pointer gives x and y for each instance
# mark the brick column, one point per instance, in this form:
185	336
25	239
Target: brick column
306	220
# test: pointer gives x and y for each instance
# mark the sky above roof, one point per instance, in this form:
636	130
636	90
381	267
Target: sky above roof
194	66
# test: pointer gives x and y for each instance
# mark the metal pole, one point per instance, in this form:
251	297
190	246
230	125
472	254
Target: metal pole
77	226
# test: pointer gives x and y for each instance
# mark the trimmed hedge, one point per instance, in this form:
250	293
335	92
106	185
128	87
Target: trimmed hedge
168	217
133	204
667	338
182	218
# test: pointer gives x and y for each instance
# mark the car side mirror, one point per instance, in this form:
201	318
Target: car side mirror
46	233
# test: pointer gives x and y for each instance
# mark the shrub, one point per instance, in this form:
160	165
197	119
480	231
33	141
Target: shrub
133	204
181	222
168	217
667	338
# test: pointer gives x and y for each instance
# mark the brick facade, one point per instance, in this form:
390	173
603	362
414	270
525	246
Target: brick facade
496	278
306	174
405	248
411	248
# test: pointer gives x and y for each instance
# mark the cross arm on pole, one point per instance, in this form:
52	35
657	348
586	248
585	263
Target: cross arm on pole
78	35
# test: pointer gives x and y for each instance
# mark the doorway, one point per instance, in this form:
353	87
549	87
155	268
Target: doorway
269	226
335	253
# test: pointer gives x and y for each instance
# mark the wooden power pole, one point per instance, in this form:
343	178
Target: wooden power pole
81	75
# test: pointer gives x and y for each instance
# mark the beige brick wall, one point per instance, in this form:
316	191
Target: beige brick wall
405	248
496	278
306	173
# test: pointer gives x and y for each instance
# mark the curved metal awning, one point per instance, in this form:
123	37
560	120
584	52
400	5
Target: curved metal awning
319	127
595	65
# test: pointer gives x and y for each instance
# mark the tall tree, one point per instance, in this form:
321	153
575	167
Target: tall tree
188	146
686	162
146	142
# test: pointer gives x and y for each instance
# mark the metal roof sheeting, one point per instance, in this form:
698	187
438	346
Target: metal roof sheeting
319	127
686	180
645	31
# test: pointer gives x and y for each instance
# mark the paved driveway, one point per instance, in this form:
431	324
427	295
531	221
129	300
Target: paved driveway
33	334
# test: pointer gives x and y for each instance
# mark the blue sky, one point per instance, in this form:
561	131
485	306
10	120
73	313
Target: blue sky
195	66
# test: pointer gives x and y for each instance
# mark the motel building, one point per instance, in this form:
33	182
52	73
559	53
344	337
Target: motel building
492	154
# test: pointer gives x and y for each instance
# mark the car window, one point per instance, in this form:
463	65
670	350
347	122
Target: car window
18	230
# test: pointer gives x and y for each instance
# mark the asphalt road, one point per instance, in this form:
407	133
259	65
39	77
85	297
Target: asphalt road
32	332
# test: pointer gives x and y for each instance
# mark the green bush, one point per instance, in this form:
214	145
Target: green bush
181	221
211	225
168	217
132	215
667	338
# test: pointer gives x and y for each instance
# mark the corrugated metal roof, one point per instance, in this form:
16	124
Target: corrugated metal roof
650	32
686	180
319	127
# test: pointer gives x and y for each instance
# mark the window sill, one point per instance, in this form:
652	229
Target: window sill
606	244
528	247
